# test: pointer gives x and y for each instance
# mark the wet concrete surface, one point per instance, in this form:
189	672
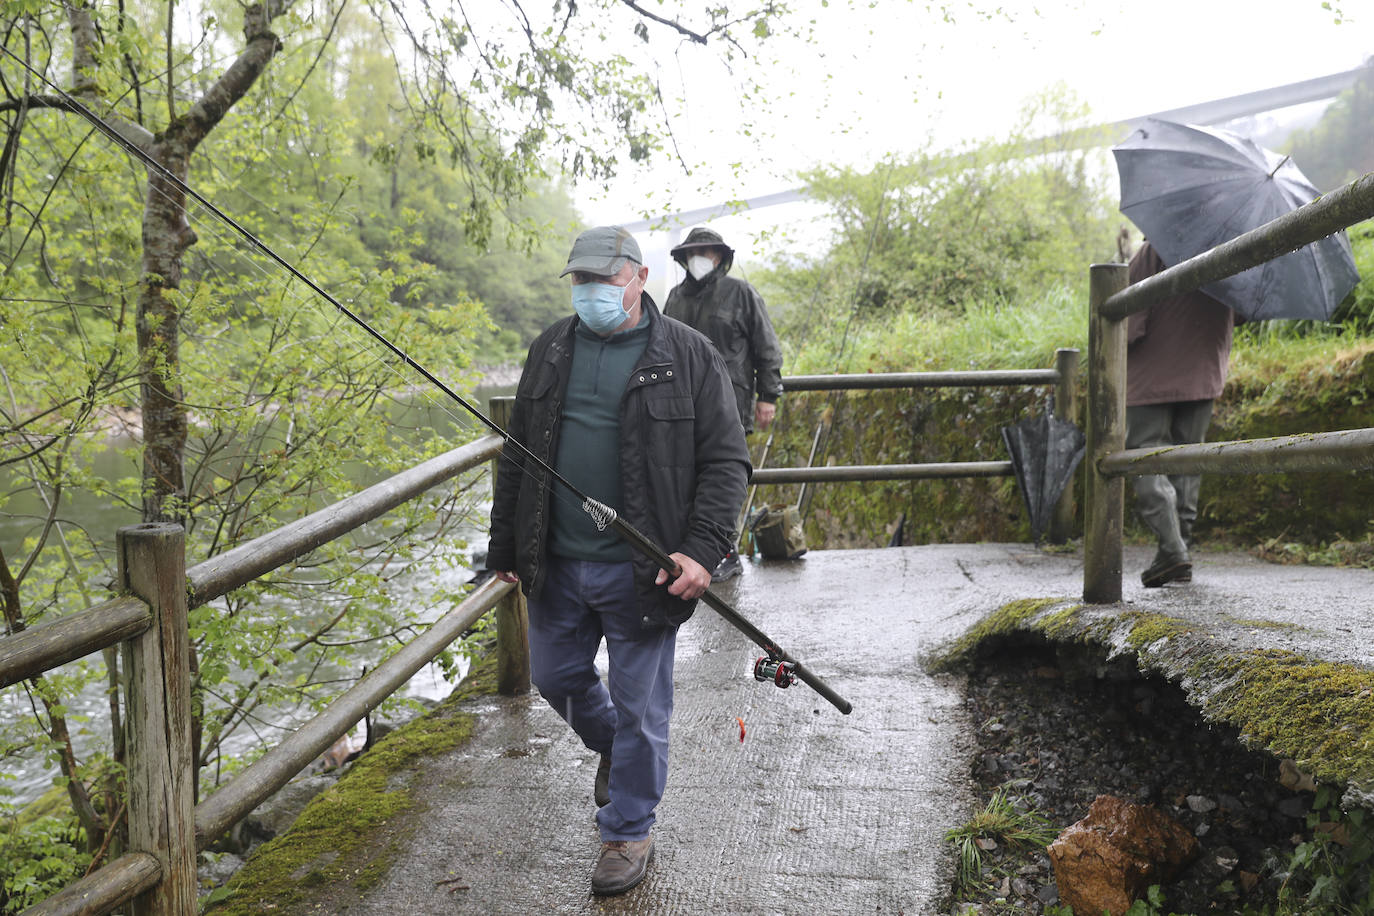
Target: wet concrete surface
813	811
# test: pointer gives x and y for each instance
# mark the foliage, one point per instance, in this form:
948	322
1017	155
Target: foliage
1332	870
1152	904
291	405
402	164
1340	147
1003	822
38	858
1327	553
933	236
563	88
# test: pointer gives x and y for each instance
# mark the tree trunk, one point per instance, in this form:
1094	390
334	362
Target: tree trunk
166	236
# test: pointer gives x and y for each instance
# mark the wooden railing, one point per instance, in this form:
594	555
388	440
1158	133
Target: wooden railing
1063	377
1110	302
149	621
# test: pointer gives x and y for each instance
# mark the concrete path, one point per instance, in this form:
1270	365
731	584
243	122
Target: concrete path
814	811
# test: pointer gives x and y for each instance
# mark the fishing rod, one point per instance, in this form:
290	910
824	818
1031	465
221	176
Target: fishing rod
777	666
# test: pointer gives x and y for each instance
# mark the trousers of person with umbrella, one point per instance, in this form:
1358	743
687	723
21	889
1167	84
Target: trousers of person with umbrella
1176	358
1190	189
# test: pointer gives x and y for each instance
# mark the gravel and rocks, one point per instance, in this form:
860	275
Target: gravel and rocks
1059	732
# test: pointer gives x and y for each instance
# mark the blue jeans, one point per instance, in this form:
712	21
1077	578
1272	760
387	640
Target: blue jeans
582	602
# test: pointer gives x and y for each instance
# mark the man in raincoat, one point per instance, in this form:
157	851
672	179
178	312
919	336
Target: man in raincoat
1176	359
731	313
634	410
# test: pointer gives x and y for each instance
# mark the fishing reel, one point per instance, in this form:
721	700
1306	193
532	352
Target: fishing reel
782	673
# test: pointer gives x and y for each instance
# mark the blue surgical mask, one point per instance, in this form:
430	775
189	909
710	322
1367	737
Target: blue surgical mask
600	306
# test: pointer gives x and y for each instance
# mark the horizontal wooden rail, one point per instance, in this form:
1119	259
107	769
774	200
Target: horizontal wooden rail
104	889
1344	450
278	766
38	649
883	472
227	571
1328	214
871	380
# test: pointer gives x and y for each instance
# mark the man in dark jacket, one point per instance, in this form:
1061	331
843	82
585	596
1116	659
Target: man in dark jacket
730	312
1176	360
634	410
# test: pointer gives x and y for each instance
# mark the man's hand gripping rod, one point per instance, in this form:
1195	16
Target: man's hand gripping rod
778	667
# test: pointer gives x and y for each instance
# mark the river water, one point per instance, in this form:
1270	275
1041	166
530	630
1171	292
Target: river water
30	776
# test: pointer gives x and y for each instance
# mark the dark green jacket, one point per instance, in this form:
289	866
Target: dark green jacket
684	464
732	314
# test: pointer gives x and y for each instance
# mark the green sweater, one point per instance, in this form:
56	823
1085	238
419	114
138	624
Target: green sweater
589	441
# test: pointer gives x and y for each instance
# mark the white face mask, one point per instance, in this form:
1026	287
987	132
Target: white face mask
698	265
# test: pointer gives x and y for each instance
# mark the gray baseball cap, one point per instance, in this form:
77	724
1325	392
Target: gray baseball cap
603	251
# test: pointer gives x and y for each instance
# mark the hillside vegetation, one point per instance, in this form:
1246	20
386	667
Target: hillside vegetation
991	273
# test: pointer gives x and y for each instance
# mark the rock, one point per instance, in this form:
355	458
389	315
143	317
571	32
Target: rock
1231	803
217	868
1293	778
1293	807
273	816
1110	858
1201	804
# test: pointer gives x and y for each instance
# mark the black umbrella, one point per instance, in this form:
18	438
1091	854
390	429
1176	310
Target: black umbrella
1044	451
1190	188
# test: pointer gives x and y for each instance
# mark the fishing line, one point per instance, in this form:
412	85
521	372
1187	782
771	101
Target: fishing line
257	244
781	667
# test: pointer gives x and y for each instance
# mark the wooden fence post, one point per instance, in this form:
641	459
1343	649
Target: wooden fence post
1065	408
152	566
512	616
1106	432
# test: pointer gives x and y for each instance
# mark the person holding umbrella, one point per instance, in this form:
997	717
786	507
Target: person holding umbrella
1177	354
1190	188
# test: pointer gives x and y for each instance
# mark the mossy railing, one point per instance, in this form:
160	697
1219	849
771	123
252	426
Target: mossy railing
1110	302
149	621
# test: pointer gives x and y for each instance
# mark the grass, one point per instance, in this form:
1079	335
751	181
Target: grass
1001	823
986	335
997	334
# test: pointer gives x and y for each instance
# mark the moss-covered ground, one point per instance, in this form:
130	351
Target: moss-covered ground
347	835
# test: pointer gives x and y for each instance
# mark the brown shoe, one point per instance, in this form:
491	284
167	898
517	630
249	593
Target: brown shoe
622	865
601	791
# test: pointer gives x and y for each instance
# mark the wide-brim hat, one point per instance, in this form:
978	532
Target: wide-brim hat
697	239
603	251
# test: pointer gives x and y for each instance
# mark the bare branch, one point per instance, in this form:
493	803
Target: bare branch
698	37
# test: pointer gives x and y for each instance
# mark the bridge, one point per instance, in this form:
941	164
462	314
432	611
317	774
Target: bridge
1212	112
810	807
812	811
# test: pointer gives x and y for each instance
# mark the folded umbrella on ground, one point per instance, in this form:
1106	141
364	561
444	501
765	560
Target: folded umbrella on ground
1044	451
